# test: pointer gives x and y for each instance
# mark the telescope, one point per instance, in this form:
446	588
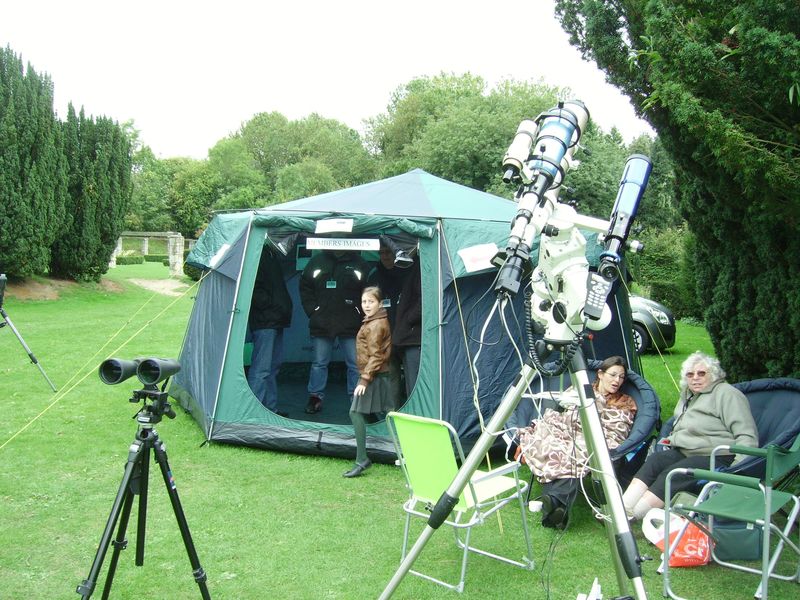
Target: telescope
631	189
565	299
150	371
538	158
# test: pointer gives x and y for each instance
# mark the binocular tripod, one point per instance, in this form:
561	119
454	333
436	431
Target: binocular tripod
135	482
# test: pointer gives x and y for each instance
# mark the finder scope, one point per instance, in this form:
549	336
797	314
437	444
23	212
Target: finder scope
150	371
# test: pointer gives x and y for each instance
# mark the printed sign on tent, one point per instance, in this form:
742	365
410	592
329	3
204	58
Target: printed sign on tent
343	244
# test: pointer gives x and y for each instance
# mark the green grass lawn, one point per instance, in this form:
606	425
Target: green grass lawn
265	524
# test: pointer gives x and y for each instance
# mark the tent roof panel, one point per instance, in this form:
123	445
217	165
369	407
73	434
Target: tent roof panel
410	202
413	194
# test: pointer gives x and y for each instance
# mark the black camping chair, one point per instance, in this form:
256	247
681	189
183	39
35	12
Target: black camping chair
628	456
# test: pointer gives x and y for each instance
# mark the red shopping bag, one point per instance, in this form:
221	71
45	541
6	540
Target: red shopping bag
693	550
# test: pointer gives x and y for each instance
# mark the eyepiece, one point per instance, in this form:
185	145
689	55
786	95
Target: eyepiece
511	174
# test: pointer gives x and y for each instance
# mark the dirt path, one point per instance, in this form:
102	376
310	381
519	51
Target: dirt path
168	287
51	288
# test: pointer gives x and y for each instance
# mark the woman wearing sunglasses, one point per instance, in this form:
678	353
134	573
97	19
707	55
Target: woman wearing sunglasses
710	413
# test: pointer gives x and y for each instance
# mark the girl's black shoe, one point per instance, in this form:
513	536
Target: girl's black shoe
358	469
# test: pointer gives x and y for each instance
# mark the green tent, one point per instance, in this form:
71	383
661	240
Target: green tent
452	228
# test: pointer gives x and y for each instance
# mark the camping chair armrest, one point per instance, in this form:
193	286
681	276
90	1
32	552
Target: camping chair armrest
715	452
750	451
729	478
760	452
505	469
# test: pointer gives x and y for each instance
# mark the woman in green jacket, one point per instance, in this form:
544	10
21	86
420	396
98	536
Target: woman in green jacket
710	413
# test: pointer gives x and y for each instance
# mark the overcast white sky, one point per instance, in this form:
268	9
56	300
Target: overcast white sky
191	72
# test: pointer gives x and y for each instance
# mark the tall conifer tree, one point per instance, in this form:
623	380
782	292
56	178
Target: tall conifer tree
720	82
99	160
33	187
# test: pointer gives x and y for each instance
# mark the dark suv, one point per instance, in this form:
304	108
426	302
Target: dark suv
653	325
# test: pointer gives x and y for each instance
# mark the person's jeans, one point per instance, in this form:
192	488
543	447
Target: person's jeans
318	377
265	364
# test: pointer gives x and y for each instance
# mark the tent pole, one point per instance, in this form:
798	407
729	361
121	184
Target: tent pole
440	316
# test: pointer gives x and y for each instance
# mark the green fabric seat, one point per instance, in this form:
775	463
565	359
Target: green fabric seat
735	504
750	500
429	453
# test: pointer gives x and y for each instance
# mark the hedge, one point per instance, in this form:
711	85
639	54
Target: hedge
192	273
130	260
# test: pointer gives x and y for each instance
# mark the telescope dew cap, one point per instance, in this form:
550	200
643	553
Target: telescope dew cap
155	370
116	370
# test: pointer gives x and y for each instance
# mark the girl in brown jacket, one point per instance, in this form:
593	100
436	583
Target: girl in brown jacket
373	394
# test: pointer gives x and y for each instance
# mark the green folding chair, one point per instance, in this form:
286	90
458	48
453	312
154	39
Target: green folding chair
428	451
750	500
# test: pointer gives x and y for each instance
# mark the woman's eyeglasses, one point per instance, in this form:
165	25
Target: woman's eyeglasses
616	375
692	374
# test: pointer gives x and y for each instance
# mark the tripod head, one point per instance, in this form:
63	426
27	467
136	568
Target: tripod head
151	372
159	406
2	288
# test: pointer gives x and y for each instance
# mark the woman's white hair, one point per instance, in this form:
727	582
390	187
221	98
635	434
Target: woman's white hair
711	364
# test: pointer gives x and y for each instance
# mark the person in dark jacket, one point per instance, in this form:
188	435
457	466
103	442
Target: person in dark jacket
407	326
270	313
390	279
330	291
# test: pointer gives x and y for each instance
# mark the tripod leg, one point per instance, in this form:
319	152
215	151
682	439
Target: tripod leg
172	491
124	497
146	435
627	562
473	460
8	322
120	543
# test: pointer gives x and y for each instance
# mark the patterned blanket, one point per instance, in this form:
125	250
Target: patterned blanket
554	446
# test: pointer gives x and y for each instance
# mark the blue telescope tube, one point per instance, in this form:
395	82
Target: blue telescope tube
635	176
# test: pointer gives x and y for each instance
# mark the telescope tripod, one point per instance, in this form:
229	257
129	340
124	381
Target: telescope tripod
135	481
627	562
7	321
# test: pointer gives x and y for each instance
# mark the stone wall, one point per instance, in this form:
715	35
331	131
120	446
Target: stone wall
175	247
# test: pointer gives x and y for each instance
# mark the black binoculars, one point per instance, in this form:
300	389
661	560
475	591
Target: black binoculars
150	371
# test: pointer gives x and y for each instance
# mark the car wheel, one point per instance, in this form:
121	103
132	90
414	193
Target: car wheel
641	340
